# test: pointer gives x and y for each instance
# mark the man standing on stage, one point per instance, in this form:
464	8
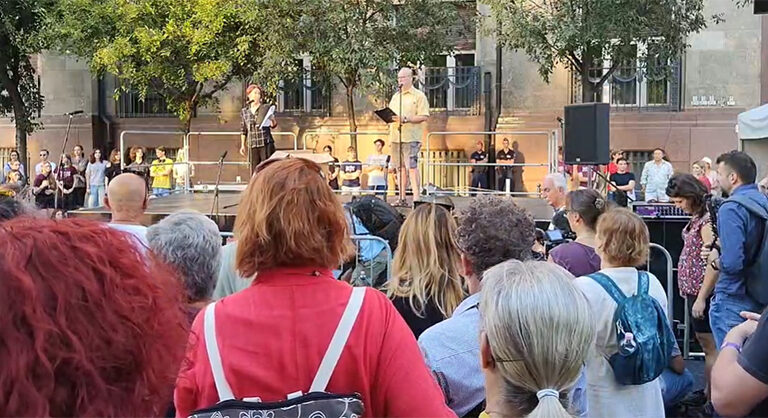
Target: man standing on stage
259	138
406	132
505	156
479	177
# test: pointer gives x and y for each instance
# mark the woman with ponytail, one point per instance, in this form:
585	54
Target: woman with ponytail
537	332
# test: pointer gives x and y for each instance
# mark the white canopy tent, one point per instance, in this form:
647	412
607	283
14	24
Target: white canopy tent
752	129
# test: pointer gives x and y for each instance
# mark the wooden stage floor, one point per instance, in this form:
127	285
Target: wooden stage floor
159	208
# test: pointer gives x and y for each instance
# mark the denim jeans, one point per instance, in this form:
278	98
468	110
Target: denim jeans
161	192
96	196
381	188
675	387
724	313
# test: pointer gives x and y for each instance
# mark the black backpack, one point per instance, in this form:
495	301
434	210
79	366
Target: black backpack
378	217
316	403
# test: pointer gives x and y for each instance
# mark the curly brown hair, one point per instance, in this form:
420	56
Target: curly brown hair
494	229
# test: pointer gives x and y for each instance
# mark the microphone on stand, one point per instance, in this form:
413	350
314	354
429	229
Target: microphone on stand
74	113
223	155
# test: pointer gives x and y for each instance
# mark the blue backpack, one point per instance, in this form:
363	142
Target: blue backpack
643	334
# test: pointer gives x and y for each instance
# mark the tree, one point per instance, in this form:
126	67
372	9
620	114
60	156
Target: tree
22	23
582	33
184	50
359	42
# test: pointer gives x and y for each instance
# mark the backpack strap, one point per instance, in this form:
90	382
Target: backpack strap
338	341
214	357
642	282
609	286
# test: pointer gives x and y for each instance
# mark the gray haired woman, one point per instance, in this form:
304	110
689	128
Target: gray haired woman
537	332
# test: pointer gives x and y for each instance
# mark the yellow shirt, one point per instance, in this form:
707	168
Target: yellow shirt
415	103
158	171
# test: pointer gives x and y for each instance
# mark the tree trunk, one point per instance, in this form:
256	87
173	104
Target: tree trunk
351	113
20	118
588	89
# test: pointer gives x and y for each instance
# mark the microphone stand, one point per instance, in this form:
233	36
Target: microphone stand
403	166
615	186
58	173
215	205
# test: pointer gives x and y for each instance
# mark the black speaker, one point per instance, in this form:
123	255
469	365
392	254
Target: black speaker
587	133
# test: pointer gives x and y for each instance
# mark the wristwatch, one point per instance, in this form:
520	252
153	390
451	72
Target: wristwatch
727	344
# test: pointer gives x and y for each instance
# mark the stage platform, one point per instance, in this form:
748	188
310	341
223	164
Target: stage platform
159	208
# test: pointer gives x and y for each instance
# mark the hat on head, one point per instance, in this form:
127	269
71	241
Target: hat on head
707	160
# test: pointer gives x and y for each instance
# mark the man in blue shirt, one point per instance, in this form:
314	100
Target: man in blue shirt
741	234
490	231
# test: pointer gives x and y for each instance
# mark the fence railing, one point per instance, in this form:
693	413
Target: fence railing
455	90
130	105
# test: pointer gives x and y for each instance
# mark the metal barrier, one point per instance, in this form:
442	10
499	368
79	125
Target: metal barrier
670	280
388	268
122	141
224	133
331	133
551	163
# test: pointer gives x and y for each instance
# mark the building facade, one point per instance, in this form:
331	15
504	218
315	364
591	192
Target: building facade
690	112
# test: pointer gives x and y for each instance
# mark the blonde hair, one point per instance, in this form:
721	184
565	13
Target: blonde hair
539	329
427	259
623	238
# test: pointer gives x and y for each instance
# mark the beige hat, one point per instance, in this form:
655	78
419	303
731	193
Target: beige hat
707	160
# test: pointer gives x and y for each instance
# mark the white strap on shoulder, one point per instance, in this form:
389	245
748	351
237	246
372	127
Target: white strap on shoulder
338	341
214	357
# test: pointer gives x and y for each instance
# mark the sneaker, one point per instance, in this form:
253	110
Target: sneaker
401	203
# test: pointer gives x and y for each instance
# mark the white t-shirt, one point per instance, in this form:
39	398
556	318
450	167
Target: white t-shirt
138	231
606	397
379	177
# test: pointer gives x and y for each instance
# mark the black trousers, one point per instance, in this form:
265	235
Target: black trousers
261	154
501	182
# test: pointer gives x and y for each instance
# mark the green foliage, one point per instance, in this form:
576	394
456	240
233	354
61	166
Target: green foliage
579	33
185	50
360	42
21	28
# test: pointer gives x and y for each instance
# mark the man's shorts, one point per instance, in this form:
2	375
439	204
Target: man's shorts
410	154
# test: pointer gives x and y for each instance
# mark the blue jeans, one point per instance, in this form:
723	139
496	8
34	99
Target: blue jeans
96	196
379	187
161	192
675	387
724	313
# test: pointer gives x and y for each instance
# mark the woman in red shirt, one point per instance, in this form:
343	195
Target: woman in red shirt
273	335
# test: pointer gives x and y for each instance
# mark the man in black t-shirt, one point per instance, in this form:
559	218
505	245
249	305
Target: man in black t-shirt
740	375
505	156
625	181
479	173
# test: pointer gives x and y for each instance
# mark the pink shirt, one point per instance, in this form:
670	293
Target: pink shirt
273	335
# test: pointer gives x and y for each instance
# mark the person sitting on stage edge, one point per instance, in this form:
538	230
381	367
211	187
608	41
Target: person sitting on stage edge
127	201
161	171
479	172
252	135
351	169
505	156
412	107
190	243
291	228
426	284
492	230
525	308
97	329
583	209
553	190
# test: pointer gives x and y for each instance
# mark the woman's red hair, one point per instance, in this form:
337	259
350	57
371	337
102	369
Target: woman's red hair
90	325
289	216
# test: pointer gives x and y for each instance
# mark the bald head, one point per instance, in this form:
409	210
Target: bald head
127	197
405	77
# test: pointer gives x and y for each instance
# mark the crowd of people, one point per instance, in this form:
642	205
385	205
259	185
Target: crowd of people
469	324
82	181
